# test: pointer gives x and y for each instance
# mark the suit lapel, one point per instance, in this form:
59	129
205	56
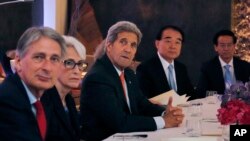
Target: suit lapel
160	73
130	92
237	71
23	100
116	80
60	112
218	72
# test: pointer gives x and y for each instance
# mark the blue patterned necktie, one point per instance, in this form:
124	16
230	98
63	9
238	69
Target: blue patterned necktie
171	77
228	77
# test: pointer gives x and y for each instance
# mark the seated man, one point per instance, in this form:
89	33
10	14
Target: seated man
214	74
155	76
38	56
111	100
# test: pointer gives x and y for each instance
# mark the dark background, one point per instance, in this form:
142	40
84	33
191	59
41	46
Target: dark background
200	20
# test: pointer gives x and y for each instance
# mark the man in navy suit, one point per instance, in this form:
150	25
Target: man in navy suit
213	72
110	104
38	55
154	76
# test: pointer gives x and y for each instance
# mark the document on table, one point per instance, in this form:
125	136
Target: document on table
164	97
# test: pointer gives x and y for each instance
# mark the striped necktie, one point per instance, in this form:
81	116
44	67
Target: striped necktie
228	77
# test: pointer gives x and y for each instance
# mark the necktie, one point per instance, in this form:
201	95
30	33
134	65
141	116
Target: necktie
171	77
123	83
228	77
41	119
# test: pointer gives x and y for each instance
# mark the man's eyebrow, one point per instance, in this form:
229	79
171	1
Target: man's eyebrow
168	37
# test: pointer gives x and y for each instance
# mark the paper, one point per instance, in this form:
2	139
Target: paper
177	99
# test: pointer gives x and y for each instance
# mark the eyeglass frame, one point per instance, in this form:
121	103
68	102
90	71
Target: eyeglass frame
81	68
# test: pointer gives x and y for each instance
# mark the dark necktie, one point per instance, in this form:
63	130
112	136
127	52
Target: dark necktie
41	119
171	77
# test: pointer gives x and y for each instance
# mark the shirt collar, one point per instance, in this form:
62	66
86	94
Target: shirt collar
164	63
31	97
117	70
224	63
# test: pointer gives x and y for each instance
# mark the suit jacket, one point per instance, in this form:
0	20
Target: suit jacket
211	77
63	126
104	110
153	80
17	121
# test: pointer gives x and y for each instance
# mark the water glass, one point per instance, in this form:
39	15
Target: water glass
195	109
211	97
193	127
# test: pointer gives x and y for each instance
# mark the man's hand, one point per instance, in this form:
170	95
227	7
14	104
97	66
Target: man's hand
173	116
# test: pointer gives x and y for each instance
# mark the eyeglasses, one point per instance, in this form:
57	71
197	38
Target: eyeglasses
71	64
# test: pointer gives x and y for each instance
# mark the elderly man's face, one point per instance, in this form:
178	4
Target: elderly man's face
38	68
122	51
169	46
225	48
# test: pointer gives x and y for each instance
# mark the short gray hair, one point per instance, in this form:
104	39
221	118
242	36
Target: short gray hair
35	33
77	45
123	26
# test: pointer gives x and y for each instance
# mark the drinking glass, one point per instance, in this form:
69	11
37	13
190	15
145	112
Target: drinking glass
193	127
211	97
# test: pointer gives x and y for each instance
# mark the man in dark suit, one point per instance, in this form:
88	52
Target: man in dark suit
154	75
110	104
213	73
38	55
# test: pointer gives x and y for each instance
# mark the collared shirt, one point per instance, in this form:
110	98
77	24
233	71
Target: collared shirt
126	89
160	123
165	65
31	97
231	68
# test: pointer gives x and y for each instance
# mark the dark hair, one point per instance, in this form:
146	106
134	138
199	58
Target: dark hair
224	33
159	34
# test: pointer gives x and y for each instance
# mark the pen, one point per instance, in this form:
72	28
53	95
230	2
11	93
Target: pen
136	135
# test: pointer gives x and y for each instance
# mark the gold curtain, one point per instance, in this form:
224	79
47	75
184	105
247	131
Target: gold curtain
241	27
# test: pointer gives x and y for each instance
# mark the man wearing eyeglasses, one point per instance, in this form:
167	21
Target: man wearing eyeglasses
223	70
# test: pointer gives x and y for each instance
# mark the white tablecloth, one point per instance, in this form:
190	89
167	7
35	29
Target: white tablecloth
211	129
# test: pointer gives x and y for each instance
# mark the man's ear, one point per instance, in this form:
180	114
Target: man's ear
157	43
215	48
17	62
108	46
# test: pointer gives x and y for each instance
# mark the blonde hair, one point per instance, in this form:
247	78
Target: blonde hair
79	47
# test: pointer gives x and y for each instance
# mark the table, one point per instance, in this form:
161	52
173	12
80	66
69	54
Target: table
211	129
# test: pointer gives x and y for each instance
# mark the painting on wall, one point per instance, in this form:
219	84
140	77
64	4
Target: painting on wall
200	20
241	26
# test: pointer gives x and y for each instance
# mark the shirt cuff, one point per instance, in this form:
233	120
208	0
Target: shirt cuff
160	123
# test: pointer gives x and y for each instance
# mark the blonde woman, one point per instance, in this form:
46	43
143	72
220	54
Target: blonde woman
63	117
